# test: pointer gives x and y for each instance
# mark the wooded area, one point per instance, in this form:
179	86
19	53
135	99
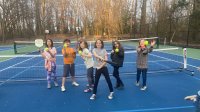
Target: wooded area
175	20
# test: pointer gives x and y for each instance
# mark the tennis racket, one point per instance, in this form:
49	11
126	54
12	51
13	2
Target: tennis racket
111	63
39	43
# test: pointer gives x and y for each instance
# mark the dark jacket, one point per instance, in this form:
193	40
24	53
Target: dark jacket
142	57
118	57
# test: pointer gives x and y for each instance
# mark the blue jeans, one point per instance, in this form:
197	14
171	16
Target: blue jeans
116	75
90	76
144	75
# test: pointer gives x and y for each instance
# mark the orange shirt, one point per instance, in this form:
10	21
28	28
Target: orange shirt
71	55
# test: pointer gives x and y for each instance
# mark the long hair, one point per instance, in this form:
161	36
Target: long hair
113	44
85	44
95	46
66	40
141	40
50	41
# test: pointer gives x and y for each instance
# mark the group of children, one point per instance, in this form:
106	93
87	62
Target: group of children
94	60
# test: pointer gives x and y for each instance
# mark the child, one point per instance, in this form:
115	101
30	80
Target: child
100	54
117	56
49	55
69	55
142	59
196	100
87	56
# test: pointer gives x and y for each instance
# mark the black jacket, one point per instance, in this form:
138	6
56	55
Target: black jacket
118	57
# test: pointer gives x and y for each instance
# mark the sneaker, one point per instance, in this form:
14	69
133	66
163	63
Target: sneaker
63	88
143	88
75	83
88	90
117	86
137	83
110	96
121	87
87	85
93	97
56	84
48	86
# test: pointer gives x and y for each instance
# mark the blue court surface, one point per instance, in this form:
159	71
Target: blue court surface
3	48
23	87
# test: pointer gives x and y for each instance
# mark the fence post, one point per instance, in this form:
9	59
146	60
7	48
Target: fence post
15	48
157	43
188	33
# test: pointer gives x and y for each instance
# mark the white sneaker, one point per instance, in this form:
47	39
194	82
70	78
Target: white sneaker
93	97
143	88
88	90
48	86
56	84
63	88
137	84
75	83
110	96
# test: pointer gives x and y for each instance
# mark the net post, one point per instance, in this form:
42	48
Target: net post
15	48
185	58
157	42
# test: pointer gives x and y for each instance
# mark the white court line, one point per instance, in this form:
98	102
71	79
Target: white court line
156	109
24	55
163	65
174	60
151	61
43	66
18	74
12	56
15	64
178	62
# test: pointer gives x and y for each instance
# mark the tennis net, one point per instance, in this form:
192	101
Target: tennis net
31	67
28	47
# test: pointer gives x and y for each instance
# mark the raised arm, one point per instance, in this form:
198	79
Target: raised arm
121	52
64	52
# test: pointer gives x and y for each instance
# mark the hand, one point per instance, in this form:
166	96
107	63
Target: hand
112	51
98	68
66	55
52	59
39	50
101	59
153	43
83	55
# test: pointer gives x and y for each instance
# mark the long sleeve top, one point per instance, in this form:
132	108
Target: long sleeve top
142	57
